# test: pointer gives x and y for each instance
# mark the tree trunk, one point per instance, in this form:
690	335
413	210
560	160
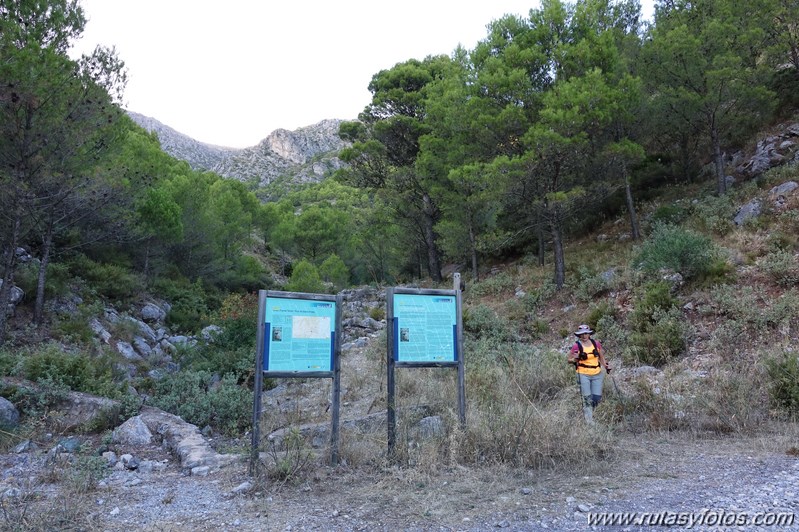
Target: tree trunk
721	181
473	247
628	195
9	262
146	268
47	245
542	244
557	245
433	263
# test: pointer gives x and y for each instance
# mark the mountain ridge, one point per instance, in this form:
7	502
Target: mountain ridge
306	155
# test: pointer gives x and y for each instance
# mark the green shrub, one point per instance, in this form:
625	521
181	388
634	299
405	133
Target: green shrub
740	303
73	329
126	406
615	338
86	472
377	313
26	277
715	214
190	303
783	372
305	278
727	333
719	271
659	331
669	214
482	320
110	281
591	284
8	361
782	241
537	328
289	463
782	267
245	273
199	398
656	297
535	298
496	285
784	310
238	317
789	221
77	372
753	311
334	271
236	362
677	249
599	311
663	339
37	403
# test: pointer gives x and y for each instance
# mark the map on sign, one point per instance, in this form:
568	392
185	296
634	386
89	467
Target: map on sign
300	335
311	327
425	328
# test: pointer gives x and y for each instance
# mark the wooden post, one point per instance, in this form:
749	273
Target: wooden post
259	381
391	419
334	431
461	366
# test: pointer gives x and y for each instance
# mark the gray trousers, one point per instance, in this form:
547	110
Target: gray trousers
591	390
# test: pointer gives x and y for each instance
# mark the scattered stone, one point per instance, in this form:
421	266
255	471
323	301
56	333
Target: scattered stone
200	471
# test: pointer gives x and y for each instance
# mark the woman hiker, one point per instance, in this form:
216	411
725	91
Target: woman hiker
588	357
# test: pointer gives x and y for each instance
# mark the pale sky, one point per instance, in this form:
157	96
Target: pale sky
231	72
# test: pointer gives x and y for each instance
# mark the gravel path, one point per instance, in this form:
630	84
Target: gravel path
660	481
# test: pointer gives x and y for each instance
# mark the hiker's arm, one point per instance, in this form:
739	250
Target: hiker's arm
572	358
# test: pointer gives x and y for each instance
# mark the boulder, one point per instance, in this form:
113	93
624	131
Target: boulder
9	415
749	211
152	313
133	432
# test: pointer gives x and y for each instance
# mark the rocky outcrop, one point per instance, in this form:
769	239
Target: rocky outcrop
77	410
775	200
306	155
773	150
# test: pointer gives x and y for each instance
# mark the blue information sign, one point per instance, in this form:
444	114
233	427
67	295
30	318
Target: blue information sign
299	335
425	328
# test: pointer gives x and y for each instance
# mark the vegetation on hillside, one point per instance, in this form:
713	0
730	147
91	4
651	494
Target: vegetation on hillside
508	160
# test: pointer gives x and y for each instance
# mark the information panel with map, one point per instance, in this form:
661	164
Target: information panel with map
299	335
425	328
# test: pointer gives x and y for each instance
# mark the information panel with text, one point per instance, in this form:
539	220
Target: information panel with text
299	335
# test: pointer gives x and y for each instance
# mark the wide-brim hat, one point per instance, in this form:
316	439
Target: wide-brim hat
583	329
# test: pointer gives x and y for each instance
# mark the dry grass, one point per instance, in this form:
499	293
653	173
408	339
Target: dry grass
33	506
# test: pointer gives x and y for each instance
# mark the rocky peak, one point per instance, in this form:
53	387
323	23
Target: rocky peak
306	155
302	145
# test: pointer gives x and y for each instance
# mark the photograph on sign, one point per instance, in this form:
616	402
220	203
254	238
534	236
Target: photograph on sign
300	335
425	328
